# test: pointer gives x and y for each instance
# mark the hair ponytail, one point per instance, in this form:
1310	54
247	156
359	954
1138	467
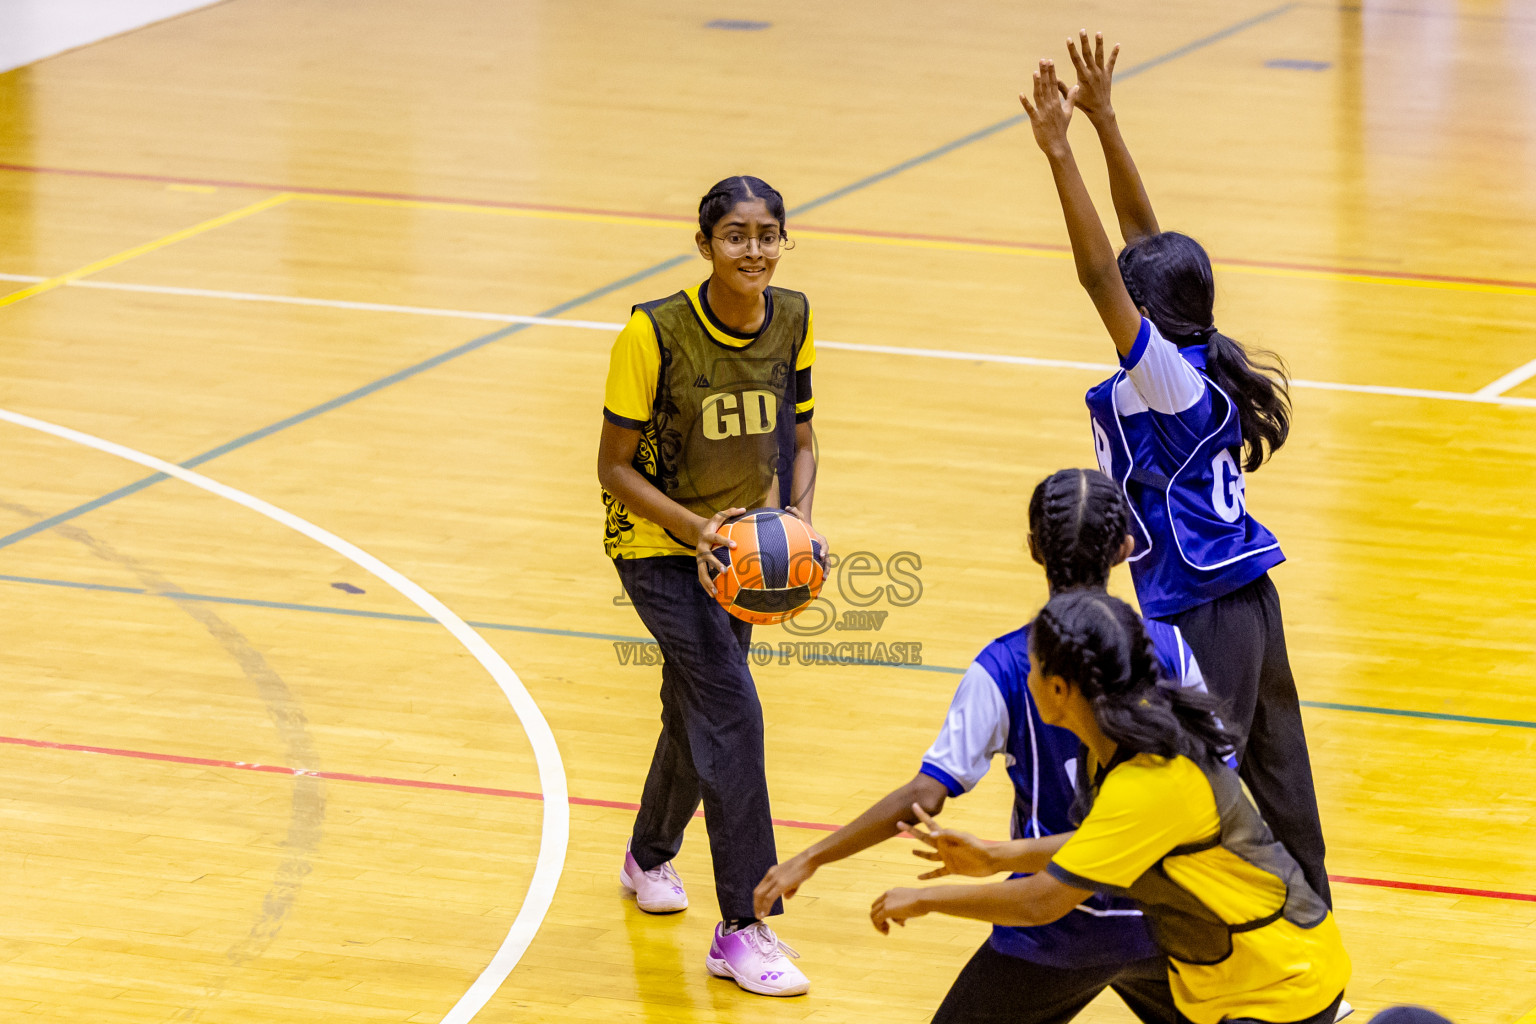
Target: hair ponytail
1078	519
1169	275
1098	644
1256	383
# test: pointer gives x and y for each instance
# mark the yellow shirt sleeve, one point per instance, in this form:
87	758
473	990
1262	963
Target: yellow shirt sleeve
1147	806
633	368
804	360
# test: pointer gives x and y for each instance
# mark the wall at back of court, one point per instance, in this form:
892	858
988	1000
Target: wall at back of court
33	29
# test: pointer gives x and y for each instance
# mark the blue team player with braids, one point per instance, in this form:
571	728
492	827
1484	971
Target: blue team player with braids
1189	412
1078	530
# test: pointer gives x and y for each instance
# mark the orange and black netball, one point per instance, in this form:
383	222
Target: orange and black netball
775	571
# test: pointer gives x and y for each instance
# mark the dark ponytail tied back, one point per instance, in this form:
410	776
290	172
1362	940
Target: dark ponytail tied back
1169	275
1098	644
724	196
1078	519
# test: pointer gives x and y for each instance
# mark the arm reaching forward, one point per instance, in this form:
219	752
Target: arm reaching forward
1018	902
879	823
960	853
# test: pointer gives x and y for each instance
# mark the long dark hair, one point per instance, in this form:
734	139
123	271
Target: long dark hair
1169	275
723	196
1078	519
1098	644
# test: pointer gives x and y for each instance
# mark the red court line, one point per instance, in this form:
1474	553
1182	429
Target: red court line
377	780
454	787
507	204
1421	887
350	193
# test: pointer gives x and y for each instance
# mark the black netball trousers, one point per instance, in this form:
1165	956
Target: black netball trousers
994	988
1239	641
711	744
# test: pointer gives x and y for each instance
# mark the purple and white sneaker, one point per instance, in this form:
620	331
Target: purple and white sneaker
754	958
657	891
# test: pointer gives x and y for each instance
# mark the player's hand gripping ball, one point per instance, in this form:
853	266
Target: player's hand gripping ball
776	569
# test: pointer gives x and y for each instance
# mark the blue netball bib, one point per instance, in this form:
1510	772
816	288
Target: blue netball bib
1181	472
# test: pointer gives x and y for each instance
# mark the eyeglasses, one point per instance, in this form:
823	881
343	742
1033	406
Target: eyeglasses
737	244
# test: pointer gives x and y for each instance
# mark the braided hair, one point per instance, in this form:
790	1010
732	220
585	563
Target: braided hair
1169	275
1078	519
1098	644
724	196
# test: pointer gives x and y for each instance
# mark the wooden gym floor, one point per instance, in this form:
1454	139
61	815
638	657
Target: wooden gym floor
296	247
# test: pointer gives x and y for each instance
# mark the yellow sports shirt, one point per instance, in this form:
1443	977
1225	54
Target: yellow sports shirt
1147	806
628	399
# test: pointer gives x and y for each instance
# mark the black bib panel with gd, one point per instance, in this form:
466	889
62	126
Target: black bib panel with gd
724	416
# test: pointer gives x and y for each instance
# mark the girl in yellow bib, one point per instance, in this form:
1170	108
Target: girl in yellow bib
1164	821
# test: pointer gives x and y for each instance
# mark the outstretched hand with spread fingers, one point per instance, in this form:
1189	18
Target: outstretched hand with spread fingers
959	853
1051	110
1094	74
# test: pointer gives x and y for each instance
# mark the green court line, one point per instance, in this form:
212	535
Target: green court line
361	613
1438	716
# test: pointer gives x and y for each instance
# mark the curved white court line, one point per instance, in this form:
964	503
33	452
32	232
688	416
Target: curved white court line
557	810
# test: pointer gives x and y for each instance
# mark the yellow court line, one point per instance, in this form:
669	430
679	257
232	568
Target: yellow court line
139	250
500	211
1000	248
1485	287
1529	1018
939	244
635	220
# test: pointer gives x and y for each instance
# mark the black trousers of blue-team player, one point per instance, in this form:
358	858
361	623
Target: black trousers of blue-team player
711	744
994	988
1239	640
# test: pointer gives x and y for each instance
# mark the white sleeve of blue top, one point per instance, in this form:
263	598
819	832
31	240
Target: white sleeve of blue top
1192	674
974	732
1160	375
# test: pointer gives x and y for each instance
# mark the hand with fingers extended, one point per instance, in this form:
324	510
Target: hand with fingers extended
958	853
1094	73
897	905
704	550
1051	110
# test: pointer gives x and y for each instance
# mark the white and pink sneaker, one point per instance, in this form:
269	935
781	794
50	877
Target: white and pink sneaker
657	891
754	958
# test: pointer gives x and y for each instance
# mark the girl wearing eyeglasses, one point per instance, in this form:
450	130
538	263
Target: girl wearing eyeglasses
706	414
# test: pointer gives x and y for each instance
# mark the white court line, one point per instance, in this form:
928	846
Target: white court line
555	834
1490	395
1513	379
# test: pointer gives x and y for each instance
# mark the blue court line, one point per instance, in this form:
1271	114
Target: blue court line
360	613
597	293
993	129
250	602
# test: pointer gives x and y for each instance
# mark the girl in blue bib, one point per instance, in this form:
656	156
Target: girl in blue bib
1177	426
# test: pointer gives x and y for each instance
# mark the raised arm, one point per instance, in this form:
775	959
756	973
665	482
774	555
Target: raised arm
875	825
1132	207
1049	114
